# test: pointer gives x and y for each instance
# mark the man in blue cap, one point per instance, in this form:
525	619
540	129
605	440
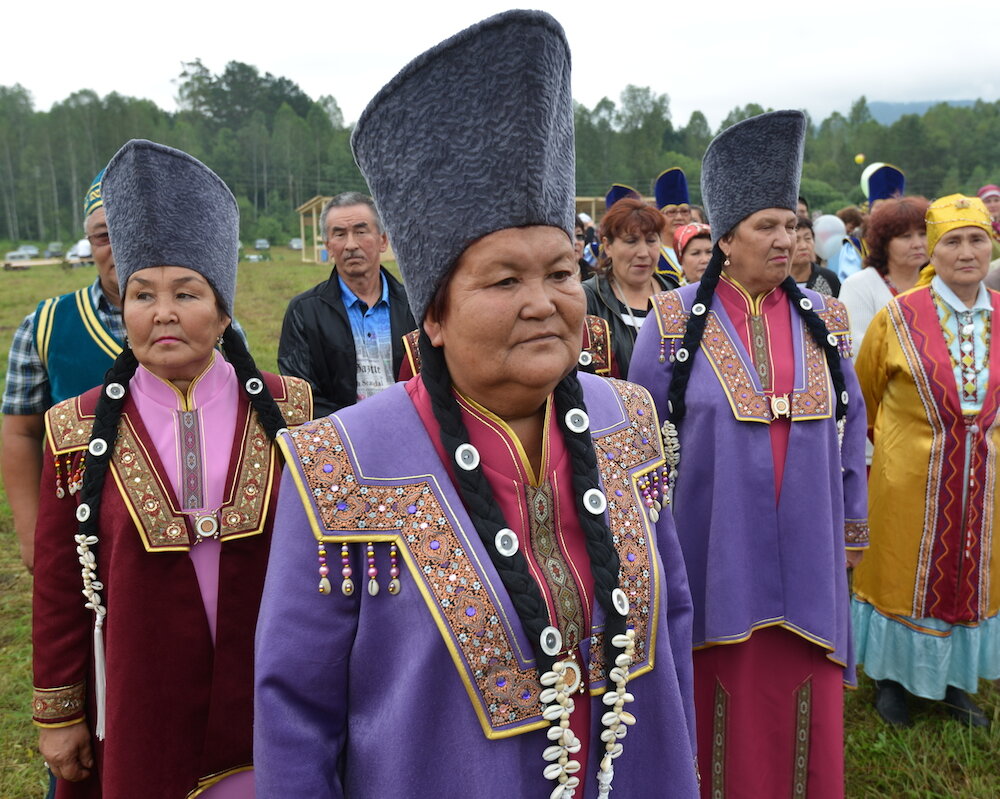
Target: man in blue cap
60	350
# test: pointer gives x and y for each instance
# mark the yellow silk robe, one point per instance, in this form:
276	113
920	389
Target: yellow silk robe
933	484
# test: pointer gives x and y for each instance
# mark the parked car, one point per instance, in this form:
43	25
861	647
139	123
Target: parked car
54	250
17	255
80	251
262	244
295	244
30	249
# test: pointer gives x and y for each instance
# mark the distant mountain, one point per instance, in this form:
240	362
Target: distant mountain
887	113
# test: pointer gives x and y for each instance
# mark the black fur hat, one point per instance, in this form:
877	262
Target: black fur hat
165	208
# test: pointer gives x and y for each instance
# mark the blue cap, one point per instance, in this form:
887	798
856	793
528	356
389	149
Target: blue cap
671	188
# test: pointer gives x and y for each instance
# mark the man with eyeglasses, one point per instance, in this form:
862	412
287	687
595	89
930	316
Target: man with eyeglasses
60	350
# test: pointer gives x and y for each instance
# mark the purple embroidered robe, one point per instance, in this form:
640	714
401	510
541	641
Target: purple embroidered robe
409	694
751	562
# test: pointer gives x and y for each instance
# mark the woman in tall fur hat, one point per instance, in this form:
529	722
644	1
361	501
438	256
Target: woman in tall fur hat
502	609
144	686
764	429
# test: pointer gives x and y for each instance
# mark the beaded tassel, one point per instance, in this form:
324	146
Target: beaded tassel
60	492
76	482
393	569
372	570
324	570
347	586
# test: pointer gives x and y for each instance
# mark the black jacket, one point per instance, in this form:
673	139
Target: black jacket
601	301
317	343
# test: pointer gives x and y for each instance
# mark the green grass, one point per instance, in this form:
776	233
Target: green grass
935	758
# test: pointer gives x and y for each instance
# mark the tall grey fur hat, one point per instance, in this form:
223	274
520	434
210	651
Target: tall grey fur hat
165	208
473	136
755	164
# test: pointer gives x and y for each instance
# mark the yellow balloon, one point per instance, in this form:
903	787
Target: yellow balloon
859	158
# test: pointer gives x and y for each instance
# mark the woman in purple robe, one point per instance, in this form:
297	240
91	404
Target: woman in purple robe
501	607
764	429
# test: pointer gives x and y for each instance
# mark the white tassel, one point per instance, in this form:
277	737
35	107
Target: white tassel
100	676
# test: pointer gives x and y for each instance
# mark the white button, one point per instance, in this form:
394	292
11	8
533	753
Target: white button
595	501
507	542
577	420
467	457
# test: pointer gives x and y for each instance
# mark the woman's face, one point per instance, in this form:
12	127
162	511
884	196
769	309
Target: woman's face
696	257
760	249
805	247
962	258
908	252
173	321
634	256
580	238
993	205
513	321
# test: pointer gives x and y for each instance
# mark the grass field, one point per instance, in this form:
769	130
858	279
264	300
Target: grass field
935	758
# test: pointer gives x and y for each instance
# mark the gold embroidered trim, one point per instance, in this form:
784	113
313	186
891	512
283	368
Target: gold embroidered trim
50	705
597	341
856	531
734	373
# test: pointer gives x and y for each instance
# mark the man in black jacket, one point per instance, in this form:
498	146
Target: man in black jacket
345	335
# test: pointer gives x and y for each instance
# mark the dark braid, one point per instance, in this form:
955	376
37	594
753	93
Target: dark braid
477	496
820	333
604	563
267	409
107	414
693	333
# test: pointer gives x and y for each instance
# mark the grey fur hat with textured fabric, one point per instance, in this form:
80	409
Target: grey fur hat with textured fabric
755	164
473	136
165	208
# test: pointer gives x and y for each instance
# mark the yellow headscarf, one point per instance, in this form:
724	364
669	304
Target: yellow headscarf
955	211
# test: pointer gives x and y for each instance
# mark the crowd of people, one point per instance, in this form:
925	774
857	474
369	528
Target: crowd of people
442	554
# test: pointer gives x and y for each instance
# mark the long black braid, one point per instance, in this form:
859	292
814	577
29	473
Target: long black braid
693	333
488	519
695	330
238	355
108	411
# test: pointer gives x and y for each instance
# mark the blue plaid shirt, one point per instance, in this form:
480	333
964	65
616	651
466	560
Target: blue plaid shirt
27	388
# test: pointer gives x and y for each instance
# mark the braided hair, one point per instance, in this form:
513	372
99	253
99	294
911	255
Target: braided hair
695	330
488	519
108	411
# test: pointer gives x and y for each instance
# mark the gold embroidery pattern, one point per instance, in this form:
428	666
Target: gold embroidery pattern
670	313
508	692
632	448
553	566
856	531
51	705
68	428
161	525
596	341
761	357
411	341
296	404
719	715
803	715
748	403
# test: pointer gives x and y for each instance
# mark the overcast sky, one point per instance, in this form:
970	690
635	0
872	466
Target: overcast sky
714	55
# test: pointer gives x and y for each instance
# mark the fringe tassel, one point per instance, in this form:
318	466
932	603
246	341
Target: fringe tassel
100	676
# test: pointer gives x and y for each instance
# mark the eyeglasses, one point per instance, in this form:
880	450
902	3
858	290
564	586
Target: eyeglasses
99	239
580	237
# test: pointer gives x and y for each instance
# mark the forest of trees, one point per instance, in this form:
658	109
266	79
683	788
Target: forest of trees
276	147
